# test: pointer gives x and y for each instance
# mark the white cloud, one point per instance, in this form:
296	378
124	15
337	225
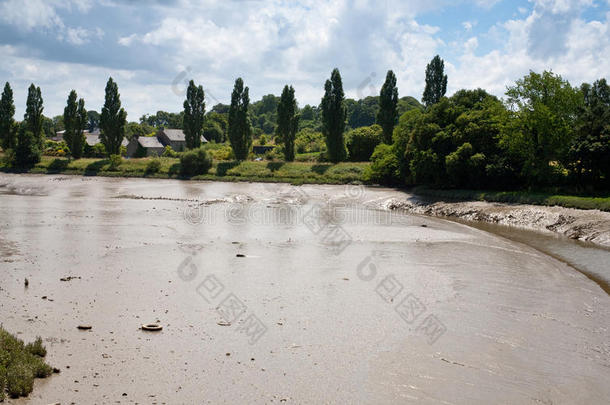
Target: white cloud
582	57
278	42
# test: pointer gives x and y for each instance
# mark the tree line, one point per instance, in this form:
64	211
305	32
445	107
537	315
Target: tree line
545	132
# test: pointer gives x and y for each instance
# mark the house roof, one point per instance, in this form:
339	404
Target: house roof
174	135
149	142
94	139
177	135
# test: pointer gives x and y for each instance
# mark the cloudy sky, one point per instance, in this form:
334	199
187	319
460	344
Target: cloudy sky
151	47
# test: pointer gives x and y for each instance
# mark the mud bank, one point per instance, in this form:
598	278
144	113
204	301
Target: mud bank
584	225
260	304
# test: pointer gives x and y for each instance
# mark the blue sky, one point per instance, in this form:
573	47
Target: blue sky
152	47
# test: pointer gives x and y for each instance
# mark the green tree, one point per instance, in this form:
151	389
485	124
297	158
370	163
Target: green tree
27	150
112	120
70	120
333	117
388	107
33	114
287	121
194	113
361	142
80	123
240	129
436	81
544	110
7	121
93	120
590	149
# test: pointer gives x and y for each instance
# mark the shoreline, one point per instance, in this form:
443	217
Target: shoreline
586	225
592	226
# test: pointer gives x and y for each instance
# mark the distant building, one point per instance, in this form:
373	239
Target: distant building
261	149
145	146
174	138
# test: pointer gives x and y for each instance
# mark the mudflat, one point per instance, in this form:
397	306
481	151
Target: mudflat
274	293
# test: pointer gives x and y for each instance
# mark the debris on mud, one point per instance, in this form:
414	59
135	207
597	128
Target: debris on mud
152	327
69	278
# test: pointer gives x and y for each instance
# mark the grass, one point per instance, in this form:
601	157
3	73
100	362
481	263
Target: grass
300	172
20	364
284	172
601	203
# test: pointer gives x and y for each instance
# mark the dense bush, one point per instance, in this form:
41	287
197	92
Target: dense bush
95	151
114	162
59	149
384	166
361	142
195	162
213	131
219	151
153	166
27	152
169	152
307	141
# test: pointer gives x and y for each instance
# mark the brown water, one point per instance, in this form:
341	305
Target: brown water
332	302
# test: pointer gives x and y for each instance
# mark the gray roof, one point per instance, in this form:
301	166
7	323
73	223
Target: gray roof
177	135
93	139
149	142
174	135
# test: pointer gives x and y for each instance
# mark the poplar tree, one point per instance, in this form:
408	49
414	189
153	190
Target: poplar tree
194	112
287	121
333	117
388	107
75	122
240	129
29	137
33	114
70	119
112	120
7	120
436	81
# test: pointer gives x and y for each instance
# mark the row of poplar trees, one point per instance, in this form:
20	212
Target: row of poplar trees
24	142
27	139
334	113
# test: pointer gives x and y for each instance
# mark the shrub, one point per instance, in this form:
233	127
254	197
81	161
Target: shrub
425	167
153	166
307	140
361	142
115	162
59	149
19	380
20	364
95	151
27	152
36	348
385	167
169	152
8	159
219	151
195	162
213	132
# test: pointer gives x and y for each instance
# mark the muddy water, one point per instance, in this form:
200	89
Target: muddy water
273	293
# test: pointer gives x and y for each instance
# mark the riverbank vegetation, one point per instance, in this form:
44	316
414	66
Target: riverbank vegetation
20	364
231	170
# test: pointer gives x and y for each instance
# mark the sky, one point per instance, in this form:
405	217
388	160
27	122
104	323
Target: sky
153	47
